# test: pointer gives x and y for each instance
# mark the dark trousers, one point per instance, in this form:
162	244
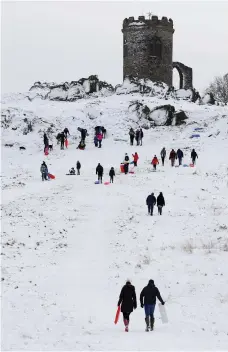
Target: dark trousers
132	140
163	160
126	168
99	144
62	144
180	161
111	179
78	171
126	315
193	161
160	209
135	163
154	166
150	209
43	176
100	177
172	161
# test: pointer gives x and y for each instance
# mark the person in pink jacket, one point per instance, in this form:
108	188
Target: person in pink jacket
99	137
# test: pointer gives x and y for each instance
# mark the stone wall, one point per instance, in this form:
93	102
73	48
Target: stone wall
137	39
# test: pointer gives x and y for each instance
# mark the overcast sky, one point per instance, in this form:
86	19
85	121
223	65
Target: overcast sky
63	41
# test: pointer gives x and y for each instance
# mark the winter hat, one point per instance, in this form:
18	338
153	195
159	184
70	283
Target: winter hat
151	282
128	282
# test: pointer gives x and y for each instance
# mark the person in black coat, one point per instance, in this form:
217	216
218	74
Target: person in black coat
99	172
179	156
128	302
62	140
126	163
148	301
66	132
151	201
78	167
46	141
194	156
111	174
160	203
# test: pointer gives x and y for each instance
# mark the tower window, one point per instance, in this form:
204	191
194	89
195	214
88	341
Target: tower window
156	47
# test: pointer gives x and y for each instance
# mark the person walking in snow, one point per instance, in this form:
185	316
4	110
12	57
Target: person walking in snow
99	172
83	134
103	130
179	156
126	164
137	136
44	171
128	302
151	202
155	162
140	136
136	158
95	140
112	174
62	140
163	155
132	136
160	203
148	301
66	132
172	157
99	137
78	167
194	155
46	141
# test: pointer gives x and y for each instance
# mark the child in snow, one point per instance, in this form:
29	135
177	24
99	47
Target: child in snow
126	163
111	174
81	145
44	171
136	158
99	137
155	162
194	156
72	171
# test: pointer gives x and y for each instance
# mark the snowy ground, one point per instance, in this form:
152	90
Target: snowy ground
68	245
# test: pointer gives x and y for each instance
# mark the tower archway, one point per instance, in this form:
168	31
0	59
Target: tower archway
185	74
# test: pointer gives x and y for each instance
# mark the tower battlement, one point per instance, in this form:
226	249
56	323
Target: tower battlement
154	21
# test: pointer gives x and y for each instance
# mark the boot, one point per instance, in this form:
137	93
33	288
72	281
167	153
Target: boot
147	323
126	323
151	322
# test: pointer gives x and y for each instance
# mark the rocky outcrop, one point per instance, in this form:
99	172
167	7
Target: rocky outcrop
164	115
70	91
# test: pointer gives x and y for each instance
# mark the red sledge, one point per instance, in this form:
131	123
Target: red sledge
191	165
46	151
52	177
122	168
66	143
117	315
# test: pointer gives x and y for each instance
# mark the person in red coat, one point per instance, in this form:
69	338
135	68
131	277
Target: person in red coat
136	158
155	162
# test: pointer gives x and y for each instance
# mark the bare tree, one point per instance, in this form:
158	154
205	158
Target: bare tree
219	89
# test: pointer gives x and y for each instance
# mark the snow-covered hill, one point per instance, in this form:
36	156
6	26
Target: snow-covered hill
69	245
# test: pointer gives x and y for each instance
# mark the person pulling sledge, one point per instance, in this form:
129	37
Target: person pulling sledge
148	301
66	132
46	142
160	203
128	302
99	172
136	158
111	174
78	167
179	156
172	157
163	155
155	162
194	155
44	171
151	202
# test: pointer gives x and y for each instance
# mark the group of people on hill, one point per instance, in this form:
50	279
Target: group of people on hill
173	156
100	173
128	302
151	201
100	133
136	135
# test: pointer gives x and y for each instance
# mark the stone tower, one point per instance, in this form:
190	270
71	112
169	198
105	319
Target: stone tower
148	48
